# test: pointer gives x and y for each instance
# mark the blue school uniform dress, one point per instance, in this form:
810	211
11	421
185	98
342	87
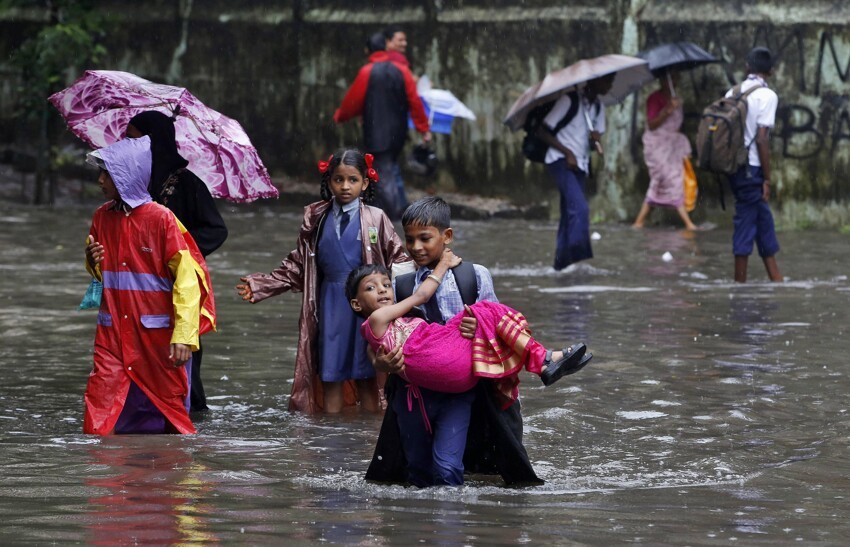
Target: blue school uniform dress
342	351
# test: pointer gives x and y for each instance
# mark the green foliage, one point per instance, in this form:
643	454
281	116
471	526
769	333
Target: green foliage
68	42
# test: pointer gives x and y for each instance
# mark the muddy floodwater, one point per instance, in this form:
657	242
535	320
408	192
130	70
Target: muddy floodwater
711	412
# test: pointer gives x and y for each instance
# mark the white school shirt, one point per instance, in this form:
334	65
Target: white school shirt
761	112
576	134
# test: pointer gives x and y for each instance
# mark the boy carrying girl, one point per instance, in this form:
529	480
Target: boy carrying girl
470	430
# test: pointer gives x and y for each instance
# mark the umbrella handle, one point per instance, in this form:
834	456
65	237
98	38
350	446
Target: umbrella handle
670	84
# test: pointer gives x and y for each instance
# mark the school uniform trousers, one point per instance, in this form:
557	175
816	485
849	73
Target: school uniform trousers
573	243
753	219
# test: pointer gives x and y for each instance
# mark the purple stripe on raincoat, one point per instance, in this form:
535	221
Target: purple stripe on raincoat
132	281
129	164
160	321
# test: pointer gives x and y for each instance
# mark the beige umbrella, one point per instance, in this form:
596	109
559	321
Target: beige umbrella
630	74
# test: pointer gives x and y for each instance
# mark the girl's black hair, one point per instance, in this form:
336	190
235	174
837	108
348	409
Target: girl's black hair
357	275
354	158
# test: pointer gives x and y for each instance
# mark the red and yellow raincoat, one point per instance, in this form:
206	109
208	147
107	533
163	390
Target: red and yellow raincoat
156	292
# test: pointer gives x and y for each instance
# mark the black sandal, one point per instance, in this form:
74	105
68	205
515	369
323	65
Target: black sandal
574	359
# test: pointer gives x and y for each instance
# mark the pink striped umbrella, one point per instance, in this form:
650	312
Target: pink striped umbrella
98	106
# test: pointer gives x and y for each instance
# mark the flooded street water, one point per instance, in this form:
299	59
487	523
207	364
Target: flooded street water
711	412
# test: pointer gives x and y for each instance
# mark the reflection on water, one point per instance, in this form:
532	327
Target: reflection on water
154	494
712	412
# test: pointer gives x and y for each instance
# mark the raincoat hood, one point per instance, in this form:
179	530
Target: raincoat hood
166	158
129	164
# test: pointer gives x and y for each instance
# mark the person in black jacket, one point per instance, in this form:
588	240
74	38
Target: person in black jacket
173	185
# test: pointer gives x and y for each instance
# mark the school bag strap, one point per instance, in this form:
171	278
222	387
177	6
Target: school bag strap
742	97
568	117
467	282
533	147
404	285
465	278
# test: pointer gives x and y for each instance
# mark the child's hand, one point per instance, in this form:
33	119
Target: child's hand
245	290
594	138
180	353
389	362
449	259
94	252
572	162
469	324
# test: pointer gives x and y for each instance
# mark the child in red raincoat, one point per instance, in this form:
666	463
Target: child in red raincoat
157	300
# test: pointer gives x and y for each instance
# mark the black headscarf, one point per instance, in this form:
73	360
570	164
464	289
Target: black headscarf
166	158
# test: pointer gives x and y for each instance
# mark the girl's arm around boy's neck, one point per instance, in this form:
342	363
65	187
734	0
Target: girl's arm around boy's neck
380	319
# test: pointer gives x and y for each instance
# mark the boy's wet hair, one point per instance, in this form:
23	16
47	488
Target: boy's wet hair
354	158
428	211
376	42
356	276
760	60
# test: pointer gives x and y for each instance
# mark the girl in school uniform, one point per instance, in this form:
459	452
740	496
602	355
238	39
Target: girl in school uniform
338	234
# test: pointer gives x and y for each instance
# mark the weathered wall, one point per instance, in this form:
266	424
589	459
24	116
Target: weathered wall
281	68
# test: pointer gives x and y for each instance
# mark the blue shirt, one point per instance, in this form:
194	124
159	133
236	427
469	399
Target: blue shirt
448	295
351	208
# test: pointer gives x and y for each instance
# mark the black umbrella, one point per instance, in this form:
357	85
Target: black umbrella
676	56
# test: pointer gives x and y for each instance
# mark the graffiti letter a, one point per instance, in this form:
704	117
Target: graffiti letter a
803	147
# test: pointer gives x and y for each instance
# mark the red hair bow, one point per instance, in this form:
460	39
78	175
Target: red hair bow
323	165
370	171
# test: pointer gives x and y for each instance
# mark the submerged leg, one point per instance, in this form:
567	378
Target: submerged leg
333	397
367	392
741	268
641	218
772	269
683	214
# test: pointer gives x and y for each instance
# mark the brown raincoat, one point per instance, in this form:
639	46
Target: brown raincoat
298	273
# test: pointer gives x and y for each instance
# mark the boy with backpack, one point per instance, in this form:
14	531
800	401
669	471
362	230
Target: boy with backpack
472	432
750	183
575	121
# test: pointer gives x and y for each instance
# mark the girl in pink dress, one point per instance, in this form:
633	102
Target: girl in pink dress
665	149
436	356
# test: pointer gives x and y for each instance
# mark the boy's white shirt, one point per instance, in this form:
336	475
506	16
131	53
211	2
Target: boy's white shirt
761	112
576	134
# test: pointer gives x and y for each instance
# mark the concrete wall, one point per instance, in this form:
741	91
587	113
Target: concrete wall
281	68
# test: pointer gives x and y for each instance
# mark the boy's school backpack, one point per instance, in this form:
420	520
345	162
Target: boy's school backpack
720	136
467	285
532	147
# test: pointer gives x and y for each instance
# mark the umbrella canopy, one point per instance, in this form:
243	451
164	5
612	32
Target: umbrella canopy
441	106
676	56
98	106
630	74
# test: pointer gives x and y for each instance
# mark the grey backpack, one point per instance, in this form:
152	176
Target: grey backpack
720	137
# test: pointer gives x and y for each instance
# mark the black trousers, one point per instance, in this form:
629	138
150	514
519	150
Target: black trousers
197	396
